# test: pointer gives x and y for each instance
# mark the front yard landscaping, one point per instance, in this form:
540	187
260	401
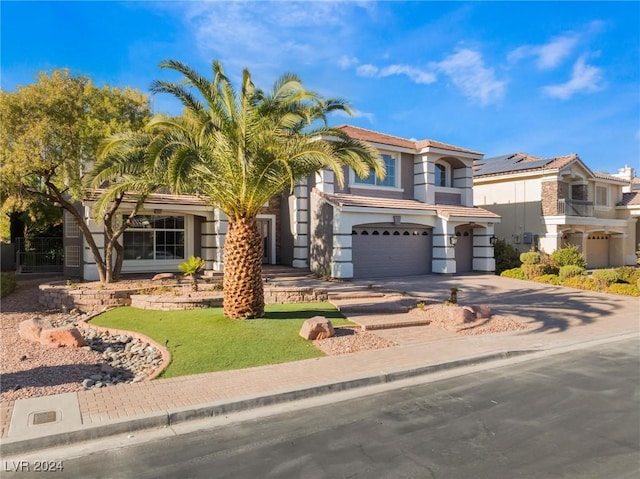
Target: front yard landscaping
203	340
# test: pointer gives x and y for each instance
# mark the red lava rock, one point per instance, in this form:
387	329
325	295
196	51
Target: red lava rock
59	337
317	327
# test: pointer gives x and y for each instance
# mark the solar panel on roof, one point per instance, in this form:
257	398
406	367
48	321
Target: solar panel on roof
507	163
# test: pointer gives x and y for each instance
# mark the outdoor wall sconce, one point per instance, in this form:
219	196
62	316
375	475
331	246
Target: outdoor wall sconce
453	240
493	240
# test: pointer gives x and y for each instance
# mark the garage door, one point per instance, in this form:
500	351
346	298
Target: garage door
598	251
379	252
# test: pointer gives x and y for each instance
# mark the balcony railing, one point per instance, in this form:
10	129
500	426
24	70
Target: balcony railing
575	207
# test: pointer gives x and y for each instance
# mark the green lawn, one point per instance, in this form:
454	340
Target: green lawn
203	340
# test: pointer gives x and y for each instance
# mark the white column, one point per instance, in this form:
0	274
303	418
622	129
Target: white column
341	257
483	252
325	181
444	254
299	220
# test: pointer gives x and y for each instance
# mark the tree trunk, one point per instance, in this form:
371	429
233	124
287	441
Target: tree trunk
243	291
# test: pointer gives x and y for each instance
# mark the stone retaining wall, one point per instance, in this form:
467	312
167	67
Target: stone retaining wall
86	300
91	300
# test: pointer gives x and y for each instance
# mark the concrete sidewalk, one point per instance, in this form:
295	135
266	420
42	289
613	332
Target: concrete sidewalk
560	318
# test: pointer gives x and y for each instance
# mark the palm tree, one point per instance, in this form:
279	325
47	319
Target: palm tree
240	149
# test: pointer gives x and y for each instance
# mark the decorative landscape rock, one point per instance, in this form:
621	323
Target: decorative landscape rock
464	315
482	312
31	328
65	336
317	327
161	276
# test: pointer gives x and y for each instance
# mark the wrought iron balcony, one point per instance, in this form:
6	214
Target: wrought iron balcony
568	207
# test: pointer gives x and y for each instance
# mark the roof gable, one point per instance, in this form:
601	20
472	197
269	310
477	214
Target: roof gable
384	139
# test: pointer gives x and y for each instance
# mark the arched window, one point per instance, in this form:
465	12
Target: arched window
441	175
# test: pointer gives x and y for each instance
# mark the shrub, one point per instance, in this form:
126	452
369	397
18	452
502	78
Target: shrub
551	267
570	271
191	268
533	270
569	256
506	256
605	277
628	274
548	279
515	273
7	284
624	288
581	282
530	257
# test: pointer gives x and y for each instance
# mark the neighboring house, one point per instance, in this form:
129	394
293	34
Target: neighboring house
548	203
420	219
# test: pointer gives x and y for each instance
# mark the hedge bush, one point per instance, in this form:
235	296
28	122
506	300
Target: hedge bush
569	256
628	274
530	257
515	273
533	270
7	284
548	279
605	277
581	282
570	271
506	256
623	288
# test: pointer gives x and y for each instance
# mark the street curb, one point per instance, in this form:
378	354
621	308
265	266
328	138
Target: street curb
171	417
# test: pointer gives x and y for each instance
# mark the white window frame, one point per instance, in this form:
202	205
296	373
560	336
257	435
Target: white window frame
447	174
153	231
353	178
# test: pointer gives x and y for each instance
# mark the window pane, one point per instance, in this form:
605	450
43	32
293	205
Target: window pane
441	175
390	165
369	180
138	245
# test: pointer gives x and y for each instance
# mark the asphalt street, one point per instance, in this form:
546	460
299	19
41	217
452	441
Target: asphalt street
571	415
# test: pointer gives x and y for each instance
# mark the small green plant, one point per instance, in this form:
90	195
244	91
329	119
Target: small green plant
453	295
191	268
569	271
515	273
605	277
8	284
530	257
569	256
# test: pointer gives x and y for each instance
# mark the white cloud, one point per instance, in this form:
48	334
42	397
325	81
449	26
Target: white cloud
548	55
584	79
358	114
414	74
468	73
346	62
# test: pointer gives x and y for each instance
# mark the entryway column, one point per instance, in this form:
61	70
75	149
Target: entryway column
483	250
342	256
444	255
299	221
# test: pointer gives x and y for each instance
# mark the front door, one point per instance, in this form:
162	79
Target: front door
264	225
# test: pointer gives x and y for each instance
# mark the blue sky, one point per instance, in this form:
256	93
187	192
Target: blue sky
546	78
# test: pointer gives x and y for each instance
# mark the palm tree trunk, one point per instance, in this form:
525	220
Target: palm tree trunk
243	291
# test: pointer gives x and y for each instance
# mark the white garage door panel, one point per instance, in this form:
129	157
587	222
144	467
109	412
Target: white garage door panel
393	254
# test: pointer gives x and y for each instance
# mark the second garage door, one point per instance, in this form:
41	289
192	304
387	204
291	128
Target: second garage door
387	251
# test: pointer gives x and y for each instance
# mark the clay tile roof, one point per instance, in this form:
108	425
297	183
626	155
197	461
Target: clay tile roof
384	139
159	198
449	211
342	200
630	199
606	176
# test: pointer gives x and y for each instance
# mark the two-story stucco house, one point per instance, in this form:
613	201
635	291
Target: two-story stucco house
547	203
420	219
